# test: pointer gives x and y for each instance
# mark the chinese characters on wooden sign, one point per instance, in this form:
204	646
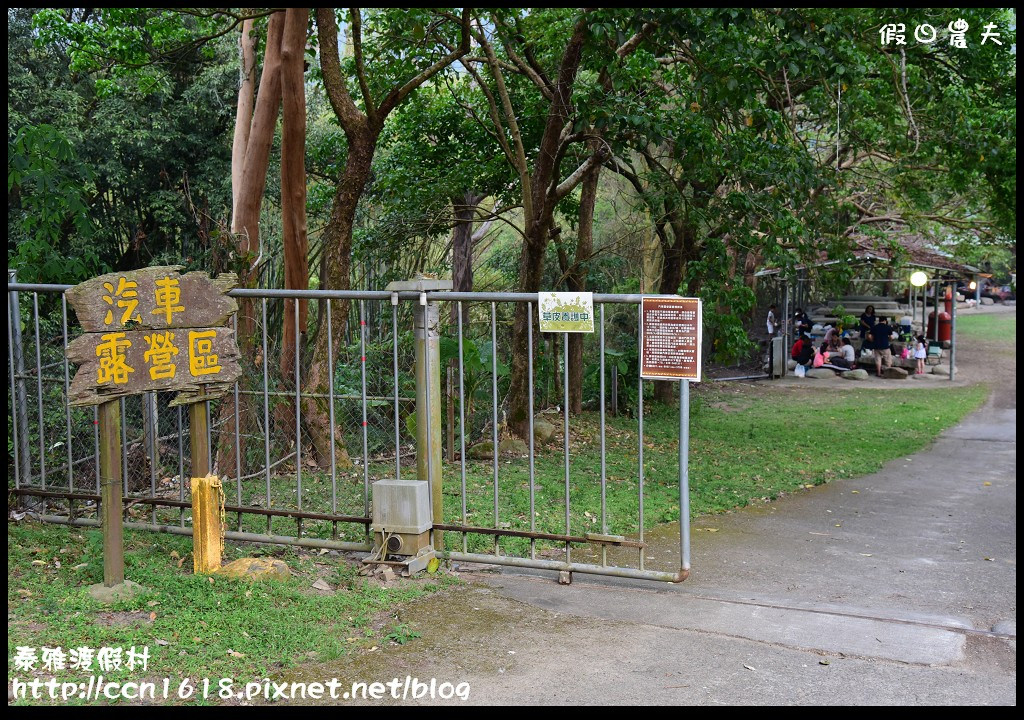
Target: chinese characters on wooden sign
153	329
670	338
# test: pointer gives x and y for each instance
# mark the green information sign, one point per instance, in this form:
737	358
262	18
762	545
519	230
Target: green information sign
566	312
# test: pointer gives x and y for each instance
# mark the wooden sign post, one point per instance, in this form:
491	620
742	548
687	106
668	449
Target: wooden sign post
148	330
110	492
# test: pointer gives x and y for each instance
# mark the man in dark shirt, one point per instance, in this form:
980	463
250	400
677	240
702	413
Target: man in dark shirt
880	344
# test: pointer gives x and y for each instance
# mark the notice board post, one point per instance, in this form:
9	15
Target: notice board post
671	330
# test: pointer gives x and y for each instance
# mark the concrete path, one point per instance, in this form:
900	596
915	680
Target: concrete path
893	588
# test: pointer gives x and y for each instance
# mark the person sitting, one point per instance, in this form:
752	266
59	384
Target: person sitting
819	355
906	325
832	338
880	344
801	322
803	351
794	352
844	357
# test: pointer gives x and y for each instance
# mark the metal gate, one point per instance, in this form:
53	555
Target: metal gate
547	508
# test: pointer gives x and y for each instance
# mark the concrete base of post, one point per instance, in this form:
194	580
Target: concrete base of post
116	593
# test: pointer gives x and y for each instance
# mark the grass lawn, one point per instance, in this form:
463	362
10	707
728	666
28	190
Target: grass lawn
193	627
995	326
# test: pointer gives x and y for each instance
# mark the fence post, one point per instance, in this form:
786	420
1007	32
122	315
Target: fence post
20	399
428	390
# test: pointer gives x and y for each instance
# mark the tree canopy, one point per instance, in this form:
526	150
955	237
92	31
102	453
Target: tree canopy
459	139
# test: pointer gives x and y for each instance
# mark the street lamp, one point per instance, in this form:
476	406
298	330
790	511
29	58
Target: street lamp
917	279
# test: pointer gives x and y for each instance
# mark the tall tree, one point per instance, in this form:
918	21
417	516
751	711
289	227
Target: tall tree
398	65
550	70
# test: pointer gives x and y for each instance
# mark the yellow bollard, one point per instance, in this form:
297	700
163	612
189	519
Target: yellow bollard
207	523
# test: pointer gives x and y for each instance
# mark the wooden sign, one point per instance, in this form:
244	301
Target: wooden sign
153	329
199	363
566	312
670	338
156	297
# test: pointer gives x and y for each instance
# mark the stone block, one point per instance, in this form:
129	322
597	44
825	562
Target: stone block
543	431
255	569
894	373
857	374
513	446
821	373
481	451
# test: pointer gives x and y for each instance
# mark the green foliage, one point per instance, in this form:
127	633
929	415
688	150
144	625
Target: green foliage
48	183
118	155
401	634
727	119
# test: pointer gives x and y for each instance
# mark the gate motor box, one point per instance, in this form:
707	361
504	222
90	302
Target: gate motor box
402	519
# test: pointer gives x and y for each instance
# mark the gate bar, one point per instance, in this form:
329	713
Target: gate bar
611	570
228	534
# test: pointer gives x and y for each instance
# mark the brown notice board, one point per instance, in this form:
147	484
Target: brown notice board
670	338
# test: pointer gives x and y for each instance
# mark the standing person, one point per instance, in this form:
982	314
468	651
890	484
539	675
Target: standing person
920	353
867	322
880	344
771	322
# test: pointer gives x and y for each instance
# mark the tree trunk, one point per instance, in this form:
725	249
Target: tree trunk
253	178
293	207
464	208
541	199
243	115
337	244
462	242
531	266
293	182
671	278
577	282
250	155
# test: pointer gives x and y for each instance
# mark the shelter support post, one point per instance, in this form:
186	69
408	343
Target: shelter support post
952	334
